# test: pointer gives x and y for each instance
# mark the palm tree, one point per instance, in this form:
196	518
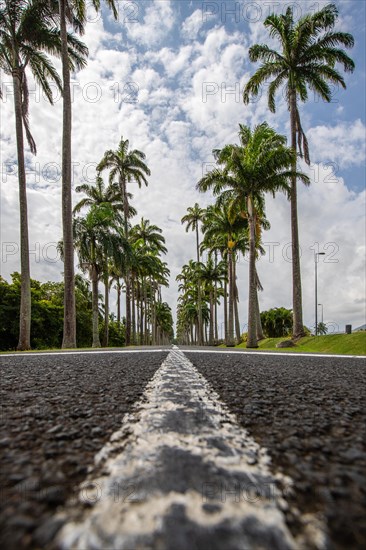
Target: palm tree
148	242
96	236
212	274
149	236
26	32
116	274
191	287
73	12
222	230
164	321
308	52
195	215
99	194
127	166
261	163
193	218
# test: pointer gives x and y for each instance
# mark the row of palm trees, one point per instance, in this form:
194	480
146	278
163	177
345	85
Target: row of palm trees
114	252
31	31
306	57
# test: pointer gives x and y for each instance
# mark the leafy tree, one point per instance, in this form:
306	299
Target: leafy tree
306	58
47	313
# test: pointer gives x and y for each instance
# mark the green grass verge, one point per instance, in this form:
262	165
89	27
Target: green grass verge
59	349
342	344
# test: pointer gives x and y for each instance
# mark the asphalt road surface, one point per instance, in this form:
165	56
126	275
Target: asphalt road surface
58	411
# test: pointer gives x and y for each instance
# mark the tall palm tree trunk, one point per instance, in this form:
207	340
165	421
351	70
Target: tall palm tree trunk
133	311
230	335
252	322
25	291
142	313
200	323
146	314
298	328
118	302
69	334
236	300
212	313
106	309
95	310
216	328
123	191
215	305
260	335
226	331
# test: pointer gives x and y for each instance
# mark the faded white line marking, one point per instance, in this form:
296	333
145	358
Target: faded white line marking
91	352
181	474
274	353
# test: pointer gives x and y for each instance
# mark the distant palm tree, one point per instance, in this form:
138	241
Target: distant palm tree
149	236
211	275
308	52
148	242
222	229
99	195
193	217
261	163
126	166
26	33
96	237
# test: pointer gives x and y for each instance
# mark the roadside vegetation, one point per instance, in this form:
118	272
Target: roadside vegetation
343	344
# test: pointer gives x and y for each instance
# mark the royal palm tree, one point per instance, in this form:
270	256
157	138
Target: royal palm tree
96	236
97	195
260	163
148	243
26	33
149	236
193	218
164	322
211	275
305	59
126	166
222	229
70	12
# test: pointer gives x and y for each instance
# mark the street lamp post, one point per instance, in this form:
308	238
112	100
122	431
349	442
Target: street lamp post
316	254
322	321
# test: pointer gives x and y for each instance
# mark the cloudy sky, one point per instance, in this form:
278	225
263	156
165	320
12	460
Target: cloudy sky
169	76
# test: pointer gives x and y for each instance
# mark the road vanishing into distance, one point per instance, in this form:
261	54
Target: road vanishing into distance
182	449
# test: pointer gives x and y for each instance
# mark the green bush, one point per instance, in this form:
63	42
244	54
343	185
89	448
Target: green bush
47	313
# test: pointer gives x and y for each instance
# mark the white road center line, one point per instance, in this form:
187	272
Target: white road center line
181	474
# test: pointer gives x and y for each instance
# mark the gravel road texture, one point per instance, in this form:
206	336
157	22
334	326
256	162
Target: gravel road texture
57	411
310	413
